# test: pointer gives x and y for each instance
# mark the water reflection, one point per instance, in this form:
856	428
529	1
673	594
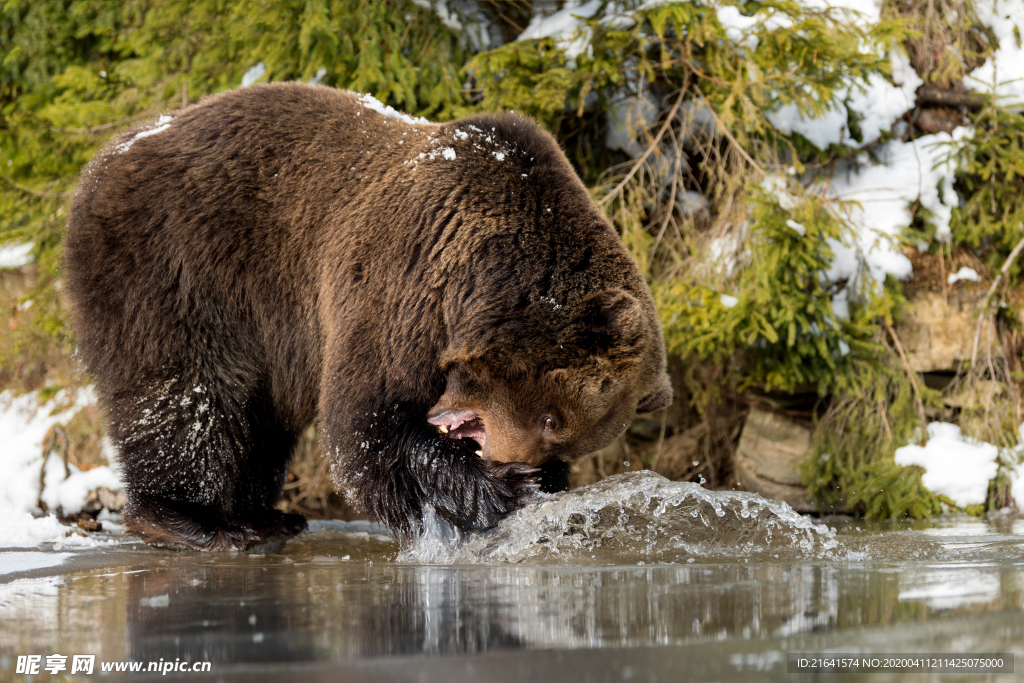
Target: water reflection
888	587
213	613
257	609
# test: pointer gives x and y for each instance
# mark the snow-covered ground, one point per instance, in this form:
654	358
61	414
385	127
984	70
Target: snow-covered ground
23	426
882	194
955	465
874	194
1005	69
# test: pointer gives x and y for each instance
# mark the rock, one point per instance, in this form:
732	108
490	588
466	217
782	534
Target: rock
101	498
679	452
978	395
938	337
769	455
86	524
939	120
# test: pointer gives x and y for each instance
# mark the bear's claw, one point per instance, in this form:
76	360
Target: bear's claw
508	486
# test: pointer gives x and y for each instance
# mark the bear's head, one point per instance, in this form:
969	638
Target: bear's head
556	382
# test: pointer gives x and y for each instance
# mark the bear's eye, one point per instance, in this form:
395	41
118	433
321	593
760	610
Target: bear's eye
549	424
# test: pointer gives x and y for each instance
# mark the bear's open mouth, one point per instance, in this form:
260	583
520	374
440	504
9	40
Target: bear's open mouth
461	424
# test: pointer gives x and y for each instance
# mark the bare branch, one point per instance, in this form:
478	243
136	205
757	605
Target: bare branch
728	135
107	126
934	96
986	304
38	193
913	378
647	152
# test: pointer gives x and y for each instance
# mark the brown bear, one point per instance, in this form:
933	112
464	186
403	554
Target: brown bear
445	300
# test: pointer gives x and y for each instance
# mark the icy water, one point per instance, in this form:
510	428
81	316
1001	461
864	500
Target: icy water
634	578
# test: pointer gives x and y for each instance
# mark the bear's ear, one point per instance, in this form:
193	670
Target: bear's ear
611	323
662	398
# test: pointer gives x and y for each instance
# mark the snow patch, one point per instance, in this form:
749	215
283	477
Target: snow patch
371	102
690	201
775	186
722	252
318	76
627	118
955	466
24	423
880	103
877	103
740	28
1006	66
162	124
71	493
16	255
253	74
15	562
567	26
449	19
910	171
1015	471
828	129
964	273
868	12
841	304
471	25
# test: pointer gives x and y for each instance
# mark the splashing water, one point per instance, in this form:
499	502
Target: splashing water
631	517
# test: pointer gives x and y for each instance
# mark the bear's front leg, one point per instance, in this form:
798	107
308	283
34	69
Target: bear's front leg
394	464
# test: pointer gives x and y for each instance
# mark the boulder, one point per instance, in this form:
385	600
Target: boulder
938	336
769	455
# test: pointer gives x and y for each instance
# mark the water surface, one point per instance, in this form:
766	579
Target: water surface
621	582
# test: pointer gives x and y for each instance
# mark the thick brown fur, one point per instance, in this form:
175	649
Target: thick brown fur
284	253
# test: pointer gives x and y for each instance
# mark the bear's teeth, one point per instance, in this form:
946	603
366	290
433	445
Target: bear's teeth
443	429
